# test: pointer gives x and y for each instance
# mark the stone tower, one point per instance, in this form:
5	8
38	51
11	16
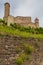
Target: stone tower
6	11
37	22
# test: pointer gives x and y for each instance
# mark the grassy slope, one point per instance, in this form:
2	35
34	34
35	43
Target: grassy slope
9	30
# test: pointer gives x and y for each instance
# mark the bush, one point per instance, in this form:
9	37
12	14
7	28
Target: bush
25	56
14	25
28	29
19	61
28	48
3	21
22	57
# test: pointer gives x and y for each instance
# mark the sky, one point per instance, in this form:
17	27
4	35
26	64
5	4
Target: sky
32	8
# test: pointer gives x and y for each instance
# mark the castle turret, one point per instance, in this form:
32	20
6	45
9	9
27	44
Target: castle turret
37	23
7	10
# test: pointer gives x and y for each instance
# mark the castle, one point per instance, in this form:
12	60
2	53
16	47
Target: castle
23	21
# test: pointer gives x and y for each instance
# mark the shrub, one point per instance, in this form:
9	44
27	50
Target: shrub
28	48
28	29
14	25
19	61
22	57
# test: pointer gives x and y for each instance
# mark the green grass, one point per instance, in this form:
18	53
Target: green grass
13	31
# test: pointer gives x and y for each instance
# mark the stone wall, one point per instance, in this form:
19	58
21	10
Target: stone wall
23	21
8	53
10	20
20	19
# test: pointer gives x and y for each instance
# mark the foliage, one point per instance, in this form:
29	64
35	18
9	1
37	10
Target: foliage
19	61
28	48
13	31
2	21
28	29
22	57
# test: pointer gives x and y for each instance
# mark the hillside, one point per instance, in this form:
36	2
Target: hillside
16	50
20	46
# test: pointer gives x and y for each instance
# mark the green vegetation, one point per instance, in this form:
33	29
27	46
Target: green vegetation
2	22
21	59
28	48
28	29
13	31
22	50
16	29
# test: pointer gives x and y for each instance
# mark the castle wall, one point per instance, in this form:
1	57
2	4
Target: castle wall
20	19
23	21
32	25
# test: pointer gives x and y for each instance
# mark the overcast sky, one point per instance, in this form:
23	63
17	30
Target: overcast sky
33	8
